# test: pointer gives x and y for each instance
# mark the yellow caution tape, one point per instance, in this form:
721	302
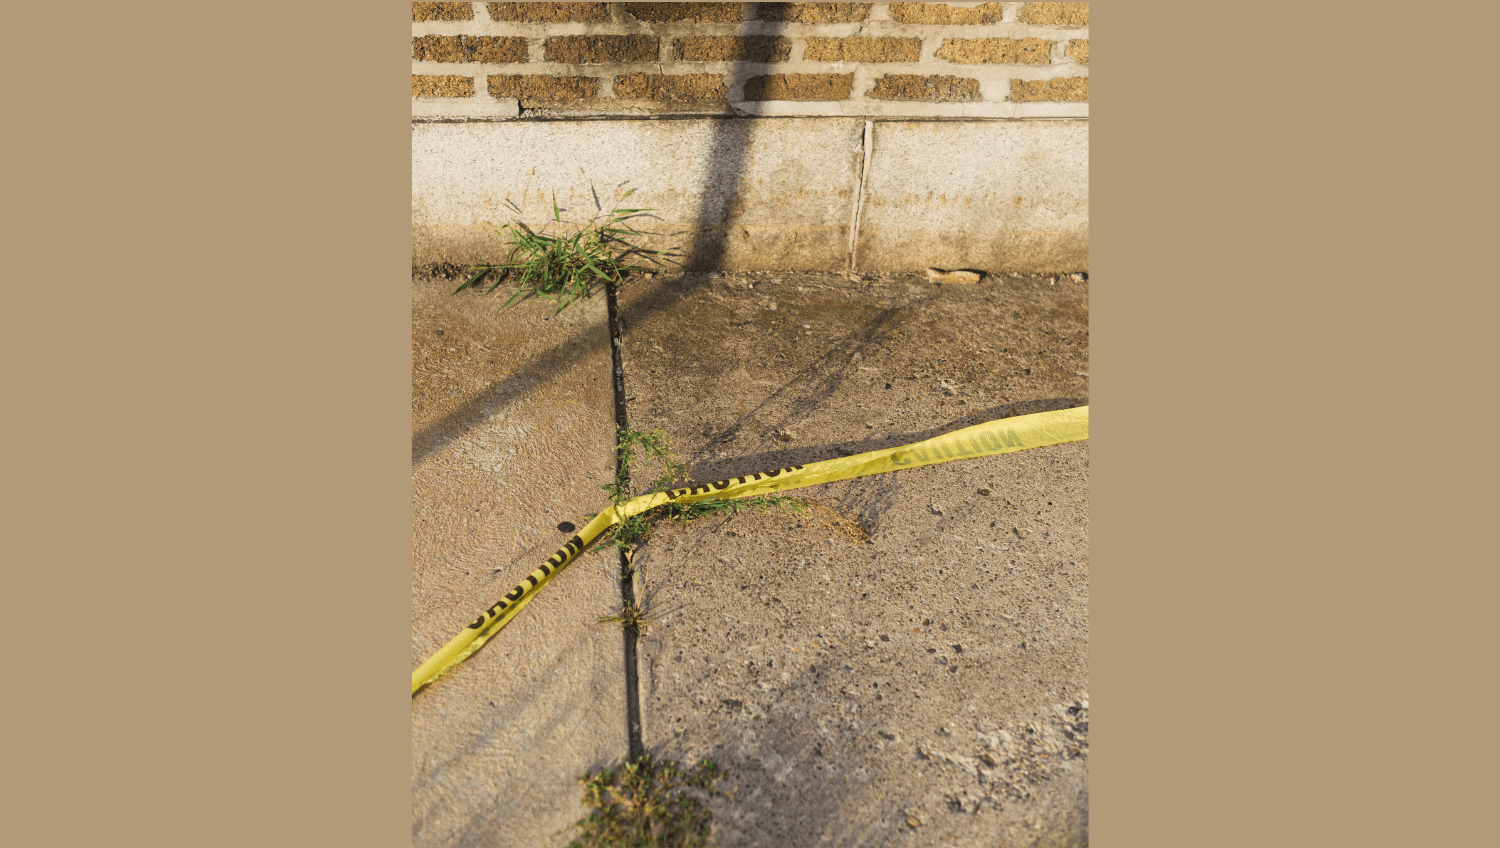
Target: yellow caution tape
989	439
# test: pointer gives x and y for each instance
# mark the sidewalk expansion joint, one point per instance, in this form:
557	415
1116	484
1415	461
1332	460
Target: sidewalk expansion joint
627	577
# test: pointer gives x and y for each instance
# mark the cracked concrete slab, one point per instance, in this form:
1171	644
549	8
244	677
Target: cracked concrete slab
512	434
908	663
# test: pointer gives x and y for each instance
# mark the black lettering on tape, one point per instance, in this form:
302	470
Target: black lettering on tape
488	614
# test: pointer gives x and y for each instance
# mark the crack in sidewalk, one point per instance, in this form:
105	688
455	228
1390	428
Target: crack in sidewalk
627	578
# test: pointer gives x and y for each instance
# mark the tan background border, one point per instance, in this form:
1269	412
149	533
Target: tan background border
1287	597
208	342
210	568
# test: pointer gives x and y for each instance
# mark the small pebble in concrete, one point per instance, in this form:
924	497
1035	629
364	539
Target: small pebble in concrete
1021	533
984	490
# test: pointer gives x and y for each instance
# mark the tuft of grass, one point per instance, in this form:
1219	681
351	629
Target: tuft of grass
645	450
565	269
732	506
640	449
646	804
632	617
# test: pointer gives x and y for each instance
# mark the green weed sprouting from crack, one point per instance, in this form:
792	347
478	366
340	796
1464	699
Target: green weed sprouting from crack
565	269
646	804
717	506
637	448
634	530
643	449
632	617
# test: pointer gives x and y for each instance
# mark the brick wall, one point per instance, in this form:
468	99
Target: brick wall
855	59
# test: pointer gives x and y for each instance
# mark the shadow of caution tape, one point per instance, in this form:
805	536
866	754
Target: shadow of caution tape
989	439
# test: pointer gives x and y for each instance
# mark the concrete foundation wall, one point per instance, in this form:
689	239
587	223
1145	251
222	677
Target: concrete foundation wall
766	193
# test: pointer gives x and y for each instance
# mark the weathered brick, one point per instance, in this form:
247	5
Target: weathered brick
1078	50
1055	14
799	87
549	13
423	85
733	48
1001	51
937	13
668	12
934	89
813	13
543	89
601	49
442	11
468	48
863	49
1071	89
672	86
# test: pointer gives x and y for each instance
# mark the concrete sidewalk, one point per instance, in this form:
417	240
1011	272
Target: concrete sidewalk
926	685
513	433
906	664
